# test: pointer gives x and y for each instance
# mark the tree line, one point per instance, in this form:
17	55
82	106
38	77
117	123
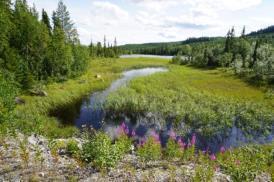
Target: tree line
37	48
248	57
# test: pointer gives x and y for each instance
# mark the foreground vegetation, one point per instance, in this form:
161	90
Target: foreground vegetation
93	152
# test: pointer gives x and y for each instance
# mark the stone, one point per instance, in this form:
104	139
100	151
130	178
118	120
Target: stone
98	76
41	174
40	93
19	101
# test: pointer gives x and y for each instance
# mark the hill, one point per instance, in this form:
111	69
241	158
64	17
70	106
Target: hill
172	48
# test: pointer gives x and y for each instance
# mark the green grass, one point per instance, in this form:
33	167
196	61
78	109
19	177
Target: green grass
206	100
33	116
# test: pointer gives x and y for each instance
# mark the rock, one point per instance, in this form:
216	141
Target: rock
41	174
40	93
98	76
19	101
264	177
62	152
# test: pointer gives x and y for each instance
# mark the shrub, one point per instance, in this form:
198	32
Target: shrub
72	147
173	150
150	150
203	173
100	152
246	163
123	144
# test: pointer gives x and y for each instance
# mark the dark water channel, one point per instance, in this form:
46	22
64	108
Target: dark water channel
89	112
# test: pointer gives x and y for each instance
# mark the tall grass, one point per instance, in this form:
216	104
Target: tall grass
209	101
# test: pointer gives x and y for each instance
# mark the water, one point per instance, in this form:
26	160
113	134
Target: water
145	56
89	111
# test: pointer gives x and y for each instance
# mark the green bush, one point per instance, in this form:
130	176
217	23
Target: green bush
8	91
151	150
173	150
100	152
72	147
123	144
246	163
203	173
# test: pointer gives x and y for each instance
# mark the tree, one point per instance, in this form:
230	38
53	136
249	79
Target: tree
243	49
265	61
66	23
100	52
243	33
229	43
6	26
45	20
60	55
254	55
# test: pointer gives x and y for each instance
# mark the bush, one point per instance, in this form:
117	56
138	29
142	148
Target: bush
123	145
8	91
176	59
246	163
151	150
203	173
173	150
100	152
72	147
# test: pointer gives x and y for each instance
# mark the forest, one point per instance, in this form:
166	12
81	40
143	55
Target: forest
250	55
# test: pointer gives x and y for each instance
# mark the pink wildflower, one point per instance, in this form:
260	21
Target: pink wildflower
172	134
222	150
123	125
193	139
133	133
212	157
155	136
181	143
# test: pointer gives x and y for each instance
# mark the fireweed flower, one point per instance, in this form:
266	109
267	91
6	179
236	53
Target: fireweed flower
123	125
133	133
172	134
222	149
181	143
193	139
155	136
212	157
127	131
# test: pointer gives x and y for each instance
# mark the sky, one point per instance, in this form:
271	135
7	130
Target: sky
143	21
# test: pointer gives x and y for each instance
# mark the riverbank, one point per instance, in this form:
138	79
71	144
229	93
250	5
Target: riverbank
32	116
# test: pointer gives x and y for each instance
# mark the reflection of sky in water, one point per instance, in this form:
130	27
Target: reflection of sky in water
91	113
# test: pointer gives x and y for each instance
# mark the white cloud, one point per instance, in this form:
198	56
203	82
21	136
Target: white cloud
104	8
137	21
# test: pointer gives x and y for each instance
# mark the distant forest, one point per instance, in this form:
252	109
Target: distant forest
250	55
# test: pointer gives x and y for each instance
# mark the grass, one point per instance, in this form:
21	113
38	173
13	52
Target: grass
208	101
32	117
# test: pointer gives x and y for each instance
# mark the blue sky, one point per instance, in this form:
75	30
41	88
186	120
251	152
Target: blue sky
140	21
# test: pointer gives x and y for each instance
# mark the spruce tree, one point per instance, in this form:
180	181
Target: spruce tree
62	14
45	20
